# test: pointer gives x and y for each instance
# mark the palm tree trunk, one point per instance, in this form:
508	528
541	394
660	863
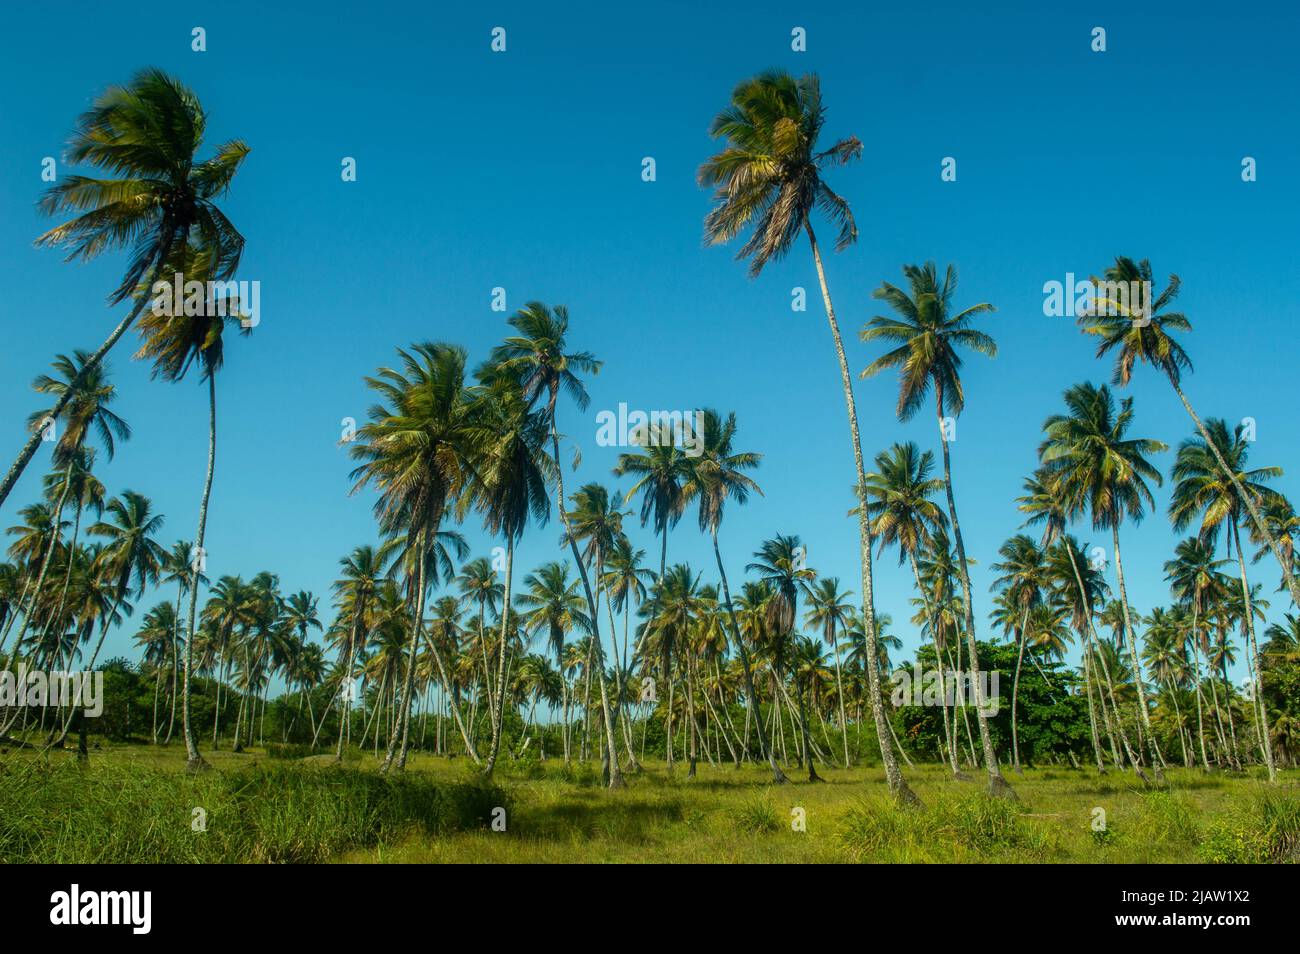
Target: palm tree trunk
1092	709
498	708
897	786
193	760
997	784
30	612
938	663
1253	649
839	694
1157	760
751	696
402	746
1015	690
176	661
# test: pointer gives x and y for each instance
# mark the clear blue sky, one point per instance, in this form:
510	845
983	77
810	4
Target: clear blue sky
522	170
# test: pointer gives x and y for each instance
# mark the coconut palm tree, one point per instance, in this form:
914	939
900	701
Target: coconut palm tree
537	359
927	338
510	489
770	179
1202	490
176	339
1102	470
155	637
83	395
716	475
830	612
160	201
1024	580
596	521
178	568
903	515
552	605
418	450
355	593
1145	337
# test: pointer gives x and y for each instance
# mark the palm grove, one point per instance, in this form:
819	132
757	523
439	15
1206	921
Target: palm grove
605	652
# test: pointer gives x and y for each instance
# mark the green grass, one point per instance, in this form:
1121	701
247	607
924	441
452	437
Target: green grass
136	803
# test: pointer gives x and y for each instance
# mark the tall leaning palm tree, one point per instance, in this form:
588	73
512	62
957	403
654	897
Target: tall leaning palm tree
926	336
1145	337
537	358
1102	470
769	179
176	340
1202	491
418	451
160	200
717	475
85	395
902	514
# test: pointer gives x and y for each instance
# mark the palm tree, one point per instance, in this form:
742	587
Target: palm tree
1201	490
903	515
178	568
537	360
1146	337
596	521
770	177
419	450
1194	579
162	199
1104	471
927	338
156	638
175	341
355	592
511	491
716	476
83	396
1024	580
551	604
1165	653
830	611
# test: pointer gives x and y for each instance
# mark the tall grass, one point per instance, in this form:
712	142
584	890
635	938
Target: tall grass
62	812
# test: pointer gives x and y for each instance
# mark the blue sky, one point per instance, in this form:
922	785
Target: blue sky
522	170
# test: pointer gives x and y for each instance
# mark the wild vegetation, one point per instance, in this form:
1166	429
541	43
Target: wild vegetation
613	663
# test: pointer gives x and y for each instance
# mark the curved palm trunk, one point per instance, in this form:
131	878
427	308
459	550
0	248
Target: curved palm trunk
34	602
1092	709
1257	670
609	713
997	784
1157	760
399	738
176	662
194	761
1015	691
1260	524
897	786
839	695
957	773
751	696
498	706
1105	667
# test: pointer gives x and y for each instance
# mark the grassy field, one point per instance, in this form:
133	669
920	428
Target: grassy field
135	803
